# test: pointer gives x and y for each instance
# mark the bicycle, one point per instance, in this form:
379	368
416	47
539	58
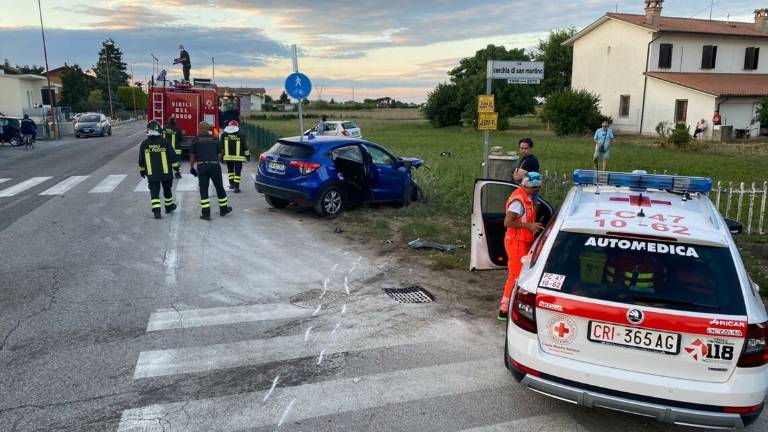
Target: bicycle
29	142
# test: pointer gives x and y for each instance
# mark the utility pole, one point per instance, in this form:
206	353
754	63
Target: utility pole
711	5
109	85
213	70
52	102
133	92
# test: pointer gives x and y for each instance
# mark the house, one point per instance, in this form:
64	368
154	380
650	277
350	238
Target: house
651	68
20	92
251	98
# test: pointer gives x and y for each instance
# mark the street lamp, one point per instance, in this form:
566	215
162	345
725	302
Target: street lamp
56	133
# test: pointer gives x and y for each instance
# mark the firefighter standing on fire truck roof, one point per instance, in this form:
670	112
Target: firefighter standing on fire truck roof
520	221
173	135
155	160
235	153
206	153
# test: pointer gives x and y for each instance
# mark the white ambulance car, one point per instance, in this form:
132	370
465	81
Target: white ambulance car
633	298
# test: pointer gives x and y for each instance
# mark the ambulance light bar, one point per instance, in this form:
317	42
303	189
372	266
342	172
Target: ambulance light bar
642	180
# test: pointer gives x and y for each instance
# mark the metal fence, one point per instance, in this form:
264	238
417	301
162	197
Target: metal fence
740	201
259	139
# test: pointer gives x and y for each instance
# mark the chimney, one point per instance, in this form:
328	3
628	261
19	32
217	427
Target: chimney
653	12
761	20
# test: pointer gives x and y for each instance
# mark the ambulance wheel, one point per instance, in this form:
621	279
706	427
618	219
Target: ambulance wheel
276	202
330	202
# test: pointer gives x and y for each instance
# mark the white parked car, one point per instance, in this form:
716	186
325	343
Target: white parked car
633	298
342	128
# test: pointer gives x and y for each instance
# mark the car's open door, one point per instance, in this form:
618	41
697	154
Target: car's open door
487	236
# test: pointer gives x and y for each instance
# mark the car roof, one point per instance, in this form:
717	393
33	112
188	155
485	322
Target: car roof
687	218
325	141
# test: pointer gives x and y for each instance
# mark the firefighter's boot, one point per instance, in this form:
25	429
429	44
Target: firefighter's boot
170	208
157	214
177	174
225	211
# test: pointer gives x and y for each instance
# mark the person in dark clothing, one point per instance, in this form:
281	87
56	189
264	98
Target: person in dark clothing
185	62
235	153
205	155
28	128
173	135
156	157
527	163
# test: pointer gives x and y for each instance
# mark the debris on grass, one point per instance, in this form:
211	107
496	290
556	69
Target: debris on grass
426	244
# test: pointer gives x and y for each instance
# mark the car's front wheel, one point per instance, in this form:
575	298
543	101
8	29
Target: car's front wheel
15	141
276	202
330	203
77	135
110	131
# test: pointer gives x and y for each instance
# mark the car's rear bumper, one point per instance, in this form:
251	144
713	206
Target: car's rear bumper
292	195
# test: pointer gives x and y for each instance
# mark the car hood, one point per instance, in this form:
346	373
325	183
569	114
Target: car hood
415	162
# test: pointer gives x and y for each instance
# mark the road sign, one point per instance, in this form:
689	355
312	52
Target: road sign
298	86
485	104
516	70
523	81
487	121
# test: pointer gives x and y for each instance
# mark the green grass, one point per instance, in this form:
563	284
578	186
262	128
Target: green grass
447	182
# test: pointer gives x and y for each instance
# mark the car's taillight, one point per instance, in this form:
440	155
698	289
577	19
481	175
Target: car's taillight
345	133
743	410
755	351
304	166
525	369
263	157
524	309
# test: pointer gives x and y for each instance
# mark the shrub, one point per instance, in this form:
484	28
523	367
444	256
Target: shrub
573	112
443	107
680	136
762	112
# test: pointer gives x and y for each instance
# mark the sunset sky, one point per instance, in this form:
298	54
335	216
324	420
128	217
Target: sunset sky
396	48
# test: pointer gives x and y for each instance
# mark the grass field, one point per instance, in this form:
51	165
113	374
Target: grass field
447	182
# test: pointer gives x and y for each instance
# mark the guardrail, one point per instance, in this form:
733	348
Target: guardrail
741	201
259	139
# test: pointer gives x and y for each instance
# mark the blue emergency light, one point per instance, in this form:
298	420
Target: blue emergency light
643	180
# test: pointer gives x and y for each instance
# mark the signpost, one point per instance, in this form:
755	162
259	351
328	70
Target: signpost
298	86
515	72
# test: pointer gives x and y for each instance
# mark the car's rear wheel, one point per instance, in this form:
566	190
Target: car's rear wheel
276	202
330	203
77	135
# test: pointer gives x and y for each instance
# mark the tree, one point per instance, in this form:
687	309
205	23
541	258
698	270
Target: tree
558	61
268	98
573	112
31	69
762	112
444	106
76	87
126	95
118	75
284	98
333	102
95	101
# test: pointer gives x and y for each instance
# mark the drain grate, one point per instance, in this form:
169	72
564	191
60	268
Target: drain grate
411	294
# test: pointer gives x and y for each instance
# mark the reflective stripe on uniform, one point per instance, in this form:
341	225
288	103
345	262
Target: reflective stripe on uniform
223	202
148	162
164	158
155	203
168	201
205	203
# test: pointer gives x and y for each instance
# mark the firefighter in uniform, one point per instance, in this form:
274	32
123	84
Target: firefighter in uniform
205	154
156	157
235	153
520	221
636	272
173	135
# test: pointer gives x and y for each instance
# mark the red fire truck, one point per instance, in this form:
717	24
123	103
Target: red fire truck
190	104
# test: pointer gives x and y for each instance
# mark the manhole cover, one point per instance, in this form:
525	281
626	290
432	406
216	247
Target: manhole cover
411	294
315	297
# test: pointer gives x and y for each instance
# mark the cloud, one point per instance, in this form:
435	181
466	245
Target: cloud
126	16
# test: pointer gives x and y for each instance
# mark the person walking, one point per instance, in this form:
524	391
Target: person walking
320	126
156	158
527	163
205	155
603	140
235	153
173	135
521	225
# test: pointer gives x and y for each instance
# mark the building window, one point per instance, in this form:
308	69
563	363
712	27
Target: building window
624	106
708	56
681	110
665	56
751	58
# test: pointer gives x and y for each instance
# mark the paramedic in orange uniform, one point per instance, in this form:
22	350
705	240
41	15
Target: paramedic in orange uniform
520	222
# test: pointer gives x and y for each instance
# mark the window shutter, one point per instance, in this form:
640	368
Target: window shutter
708	56
751	57
665	56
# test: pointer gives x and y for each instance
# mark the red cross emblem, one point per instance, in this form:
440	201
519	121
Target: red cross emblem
561	329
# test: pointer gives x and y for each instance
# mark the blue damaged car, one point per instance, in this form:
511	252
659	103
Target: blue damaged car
333	173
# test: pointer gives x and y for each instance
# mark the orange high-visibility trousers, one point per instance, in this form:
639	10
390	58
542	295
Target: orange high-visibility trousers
516	250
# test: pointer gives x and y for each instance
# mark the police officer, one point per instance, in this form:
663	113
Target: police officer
156	157
205	155
235	153
173	135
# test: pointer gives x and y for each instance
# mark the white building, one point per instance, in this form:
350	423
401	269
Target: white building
251	98
650	68
21	91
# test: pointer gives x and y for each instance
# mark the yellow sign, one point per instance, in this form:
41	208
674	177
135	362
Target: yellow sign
487	121
485	104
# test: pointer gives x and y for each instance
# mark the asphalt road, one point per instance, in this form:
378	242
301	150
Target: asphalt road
262	320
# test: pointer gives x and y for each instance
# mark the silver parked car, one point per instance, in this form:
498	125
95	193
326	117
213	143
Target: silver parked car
92	124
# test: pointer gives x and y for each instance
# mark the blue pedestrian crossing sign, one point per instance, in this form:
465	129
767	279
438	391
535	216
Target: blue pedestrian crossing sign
298	86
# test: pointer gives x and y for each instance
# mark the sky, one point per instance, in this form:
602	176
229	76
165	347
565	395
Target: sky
350	49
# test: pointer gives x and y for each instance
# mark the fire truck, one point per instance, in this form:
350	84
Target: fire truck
191	103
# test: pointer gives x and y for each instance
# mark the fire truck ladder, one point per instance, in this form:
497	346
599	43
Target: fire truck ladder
158	108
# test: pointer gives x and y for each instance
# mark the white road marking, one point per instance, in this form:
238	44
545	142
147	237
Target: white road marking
271	389
108	184
170	267
64	186
3	180
333	332
554	422
170	262
344	309
170	319
248	411
306	333
141	186
257	351
346	285
320	357
285	413
317	310
334	267
188	183
21	187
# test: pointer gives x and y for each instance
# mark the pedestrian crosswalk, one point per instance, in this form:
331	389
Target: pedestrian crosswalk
12	187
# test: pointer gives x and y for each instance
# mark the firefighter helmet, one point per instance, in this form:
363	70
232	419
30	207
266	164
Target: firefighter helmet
154	126
233	123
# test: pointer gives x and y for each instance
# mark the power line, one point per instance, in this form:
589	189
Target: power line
710	7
